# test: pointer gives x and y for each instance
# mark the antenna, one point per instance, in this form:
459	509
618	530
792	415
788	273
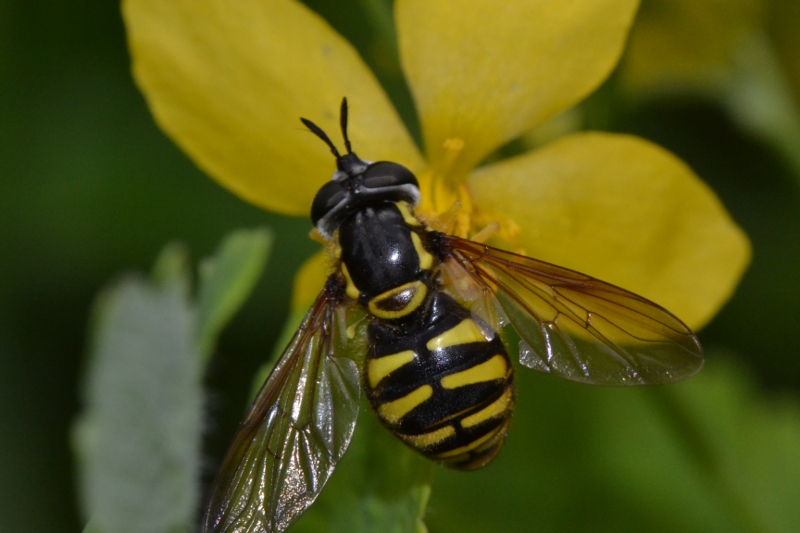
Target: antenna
343	123
316	130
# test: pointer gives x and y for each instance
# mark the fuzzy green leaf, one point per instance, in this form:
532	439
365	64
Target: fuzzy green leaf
138	441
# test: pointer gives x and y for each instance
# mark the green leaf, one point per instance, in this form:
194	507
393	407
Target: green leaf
759	96
226	280
706	455
138	440
745	447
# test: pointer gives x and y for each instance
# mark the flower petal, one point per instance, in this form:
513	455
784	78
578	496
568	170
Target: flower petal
228	82
623	210
310	280
483	72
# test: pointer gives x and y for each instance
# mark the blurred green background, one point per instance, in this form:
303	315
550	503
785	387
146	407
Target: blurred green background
90	188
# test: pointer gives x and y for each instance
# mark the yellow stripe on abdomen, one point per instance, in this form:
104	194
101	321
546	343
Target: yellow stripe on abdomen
464	333
383	366
469	447
392	412
494	368
429	439
498	407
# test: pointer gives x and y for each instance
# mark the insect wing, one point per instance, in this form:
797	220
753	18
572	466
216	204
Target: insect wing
296	430
571	324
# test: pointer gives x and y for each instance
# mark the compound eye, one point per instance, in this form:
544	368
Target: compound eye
328	197
387	174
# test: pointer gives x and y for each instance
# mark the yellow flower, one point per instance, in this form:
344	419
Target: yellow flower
228	81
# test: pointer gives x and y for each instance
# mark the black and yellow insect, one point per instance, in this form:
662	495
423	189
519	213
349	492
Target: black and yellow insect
413	318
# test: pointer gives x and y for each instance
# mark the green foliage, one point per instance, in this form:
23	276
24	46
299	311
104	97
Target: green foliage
705	455
138	440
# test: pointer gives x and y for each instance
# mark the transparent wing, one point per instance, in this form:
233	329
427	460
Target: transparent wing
571	324
298	427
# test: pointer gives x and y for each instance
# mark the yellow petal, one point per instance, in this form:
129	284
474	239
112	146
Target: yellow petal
625	211
484	71
228	82
310	279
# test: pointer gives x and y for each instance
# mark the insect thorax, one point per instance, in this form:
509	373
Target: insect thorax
387	267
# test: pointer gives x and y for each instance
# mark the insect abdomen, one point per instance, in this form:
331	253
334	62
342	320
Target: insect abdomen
445	389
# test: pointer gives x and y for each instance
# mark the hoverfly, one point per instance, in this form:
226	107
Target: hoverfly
413	318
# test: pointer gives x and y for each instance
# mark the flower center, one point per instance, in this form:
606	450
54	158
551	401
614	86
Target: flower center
447	202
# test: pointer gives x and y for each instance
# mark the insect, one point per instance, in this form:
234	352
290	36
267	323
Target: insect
415	319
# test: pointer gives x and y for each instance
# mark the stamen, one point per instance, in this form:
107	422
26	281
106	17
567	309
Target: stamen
503	229
486	233
445	222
